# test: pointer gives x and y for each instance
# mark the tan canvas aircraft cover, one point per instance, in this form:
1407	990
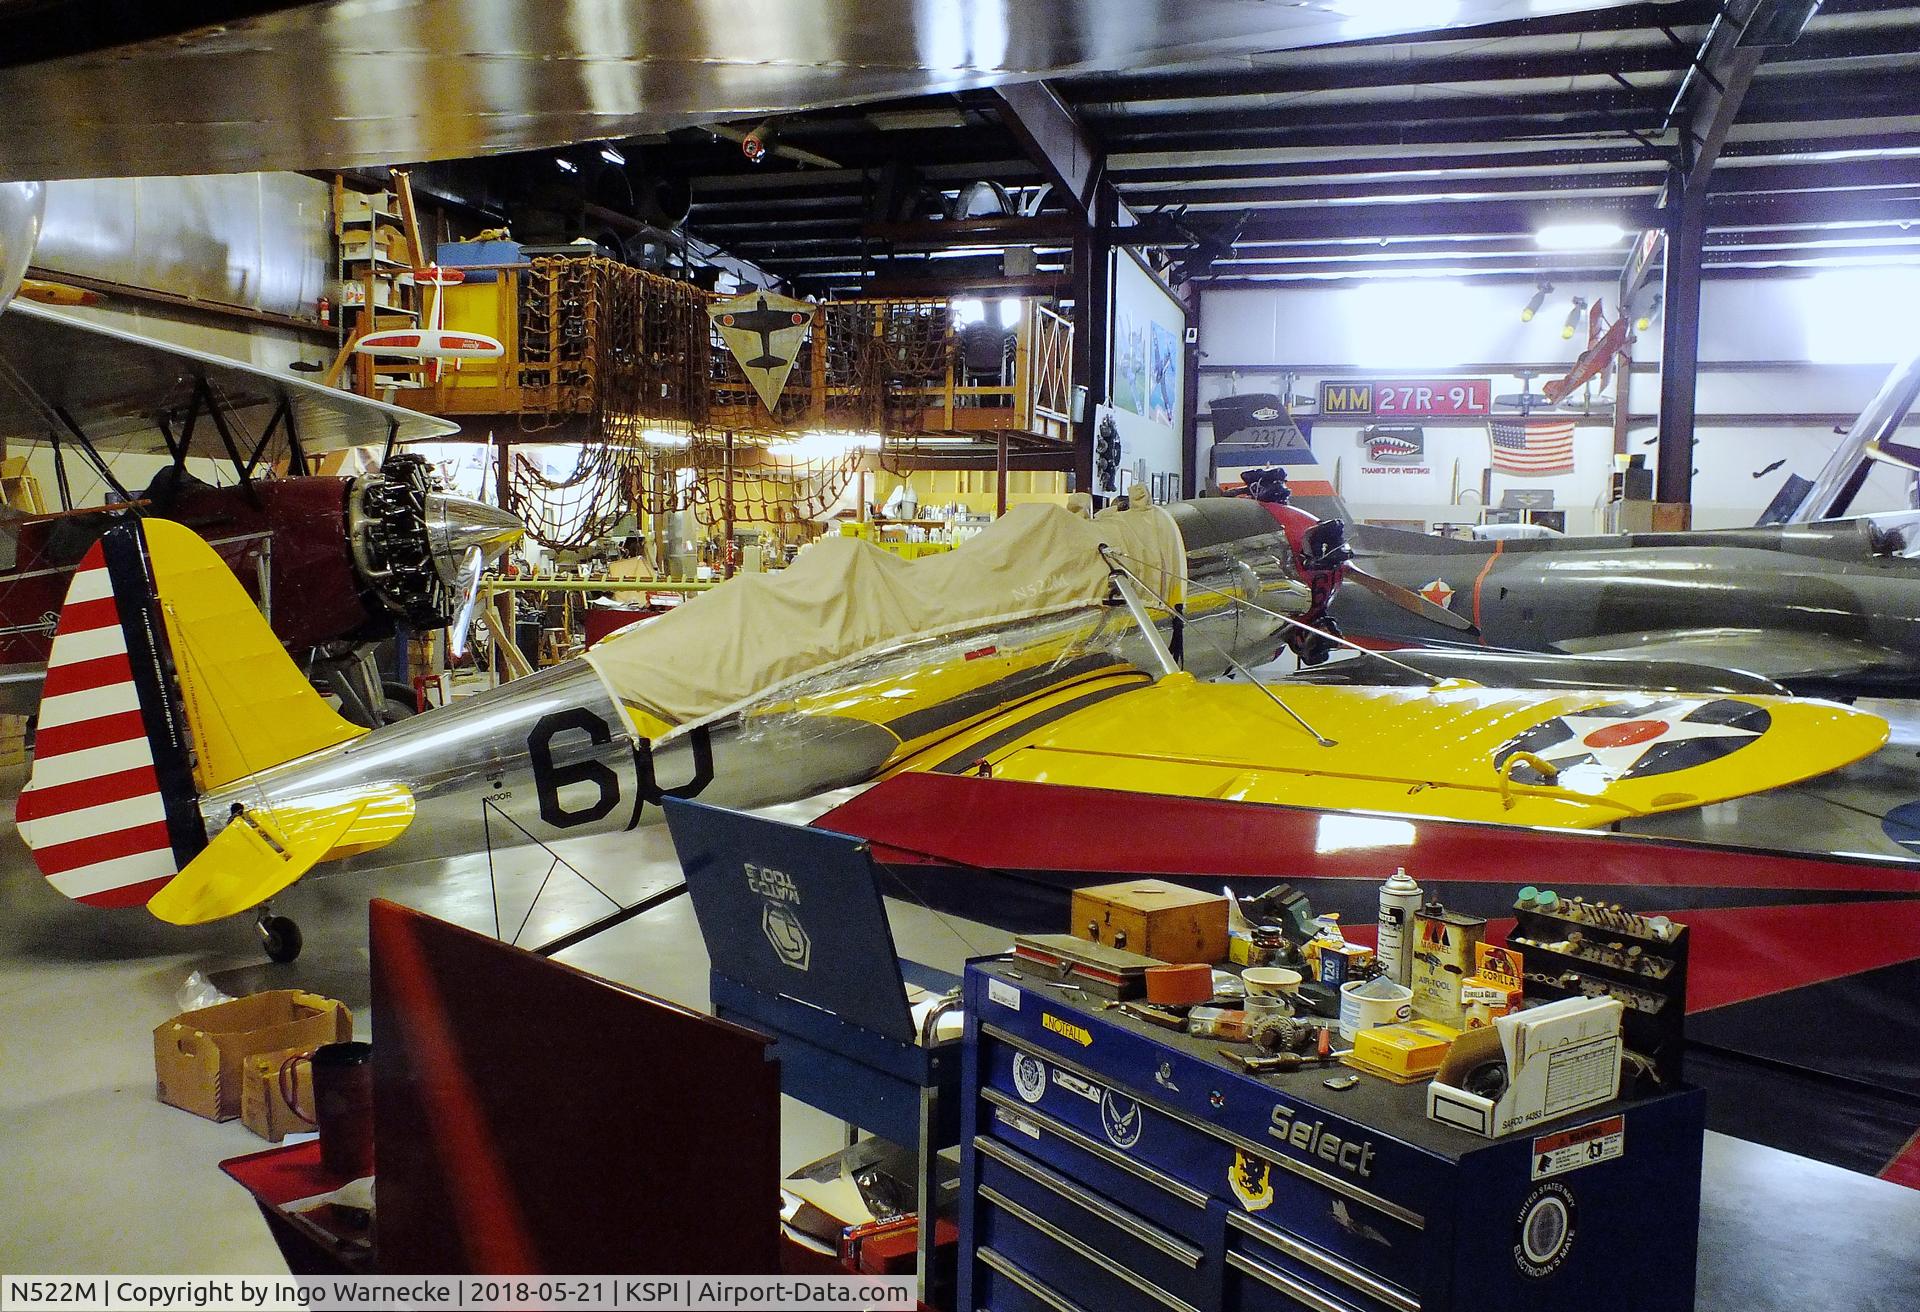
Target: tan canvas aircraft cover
844	597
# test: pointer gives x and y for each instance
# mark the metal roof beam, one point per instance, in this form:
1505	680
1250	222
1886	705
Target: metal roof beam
1055	138
1620	18
1328	76
1222	124
1190	170
1506	218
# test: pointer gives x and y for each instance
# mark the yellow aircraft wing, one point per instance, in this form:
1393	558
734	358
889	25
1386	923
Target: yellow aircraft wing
1573	760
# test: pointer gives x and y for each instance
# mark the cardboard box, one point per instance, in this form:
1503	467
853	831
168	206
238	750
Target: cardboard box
1560	1058
262	1109
1402	1053
1442	957
1154	918
198	1056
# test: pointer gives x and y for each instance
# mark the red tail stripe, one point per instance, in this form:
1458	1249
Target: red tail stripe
62	857
80	616
81	676
120	727
97	791
127	895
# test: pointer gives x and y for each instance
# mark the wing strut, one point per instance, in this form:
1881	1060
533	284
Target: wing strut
60	418
1123	581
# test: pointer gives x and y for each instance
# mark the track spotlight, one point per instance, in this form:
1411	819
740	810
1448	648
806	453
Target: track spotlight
612	156
758	144
1572	325
567	166
1541	291
1645	320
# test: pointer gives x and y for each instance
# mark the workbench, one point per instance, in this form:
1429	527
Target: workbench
1108	1163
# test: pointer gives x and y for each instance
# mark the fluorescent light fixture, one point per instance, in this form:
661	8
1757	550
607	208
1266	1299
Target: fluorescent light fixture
664	437
1364	18
826	444
1578	236
567	166
612	156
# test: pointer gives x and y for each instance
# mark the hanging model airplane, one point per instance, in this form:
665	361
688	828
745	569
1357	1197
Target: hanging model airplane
359	555
184	764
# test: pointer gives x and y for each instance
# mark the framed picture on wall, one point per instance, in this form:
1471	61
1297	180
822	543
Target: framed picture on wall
1158	488
1173	487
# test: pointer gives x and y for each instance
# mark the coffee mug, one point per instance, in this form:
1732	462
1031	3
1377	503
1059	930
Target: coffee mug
342	1104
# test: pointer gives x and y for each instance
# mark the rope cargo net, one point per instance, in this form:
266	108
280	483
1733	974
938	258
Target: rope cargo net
637	355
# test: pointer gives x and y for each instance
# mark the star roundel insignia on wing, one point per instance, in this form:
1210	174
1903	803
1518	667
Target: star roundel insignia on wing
1439	592
1633	740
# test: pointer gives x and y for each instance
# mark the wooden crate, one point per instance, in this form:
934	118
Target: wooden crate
1154	918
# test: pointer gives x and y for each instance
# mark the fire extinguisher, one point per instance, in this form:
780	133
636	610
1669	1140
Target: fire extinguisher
325	308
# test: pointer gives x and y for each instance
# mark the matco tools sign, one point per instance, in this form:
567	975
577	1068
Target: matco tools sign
1420	398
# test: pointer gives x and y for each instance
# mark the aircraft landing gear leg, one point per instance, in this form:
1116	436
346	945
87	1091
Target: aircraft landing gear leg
279	936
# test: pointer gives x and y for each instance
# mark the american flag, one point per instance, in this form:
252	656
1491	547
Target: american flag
1532	446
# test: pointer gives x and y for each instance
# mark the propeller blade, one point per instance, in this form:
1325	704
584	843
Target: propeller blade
1409	600
462	624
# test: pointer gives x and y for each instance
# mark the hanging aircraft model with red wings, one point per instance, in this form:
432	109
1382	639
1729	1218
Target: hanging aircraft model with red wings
360	555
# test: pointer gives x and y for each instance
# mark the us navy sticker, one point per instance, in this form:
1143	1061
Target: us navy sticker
1543	1232
1029	1077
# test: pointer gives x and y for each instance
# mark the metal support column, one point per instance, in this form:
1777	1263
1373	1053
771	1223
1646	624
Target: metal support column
1092	300
1680	344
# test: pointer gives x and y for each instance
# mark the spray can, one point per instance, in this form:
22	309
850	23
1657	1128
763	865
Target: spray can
1399	900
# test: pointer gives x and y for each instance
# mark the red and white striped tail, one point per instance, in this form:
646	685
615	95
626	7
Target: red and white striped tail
95	811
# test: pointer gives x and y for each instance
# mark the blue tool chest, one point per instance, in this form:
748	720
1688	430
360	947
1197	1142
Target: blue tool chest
1110	1164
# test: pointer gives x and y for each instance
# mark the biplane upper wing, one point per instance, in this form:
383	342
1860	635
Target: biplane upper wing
1571	760
116	385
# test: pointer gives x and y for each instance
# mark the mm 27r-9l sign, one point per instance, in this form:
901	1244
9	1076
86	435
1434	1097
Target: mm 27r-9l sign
1413	398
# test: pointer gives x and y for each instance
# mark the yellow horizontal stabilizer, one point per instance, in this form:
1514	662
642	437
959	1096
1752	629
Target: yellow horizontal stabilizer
1569	759
261	852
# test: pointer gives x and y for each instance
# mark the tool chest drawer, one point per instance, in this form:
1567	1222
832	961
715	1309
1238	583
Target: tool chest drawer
1100	1224
1107	1163
1179	1209
1033	1240
1266	1251
1003	1285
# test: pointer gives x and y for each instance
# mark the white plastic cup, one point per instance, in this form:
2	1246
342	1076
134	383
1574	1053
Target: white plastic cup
1370	1003
1270	979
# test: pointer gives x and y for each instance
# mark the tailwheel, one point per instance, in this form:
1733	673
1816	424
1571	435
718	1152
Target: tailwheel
279	936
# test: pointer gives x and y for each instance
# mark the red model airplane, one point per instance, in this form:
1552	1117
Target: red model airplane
1602	347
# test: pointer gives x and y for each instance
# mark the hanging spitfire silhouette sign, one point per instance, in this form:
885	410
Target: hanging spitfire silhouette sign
764	332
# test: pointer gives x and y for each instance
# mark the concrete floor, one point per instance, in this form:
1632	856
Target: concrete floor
96	1175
